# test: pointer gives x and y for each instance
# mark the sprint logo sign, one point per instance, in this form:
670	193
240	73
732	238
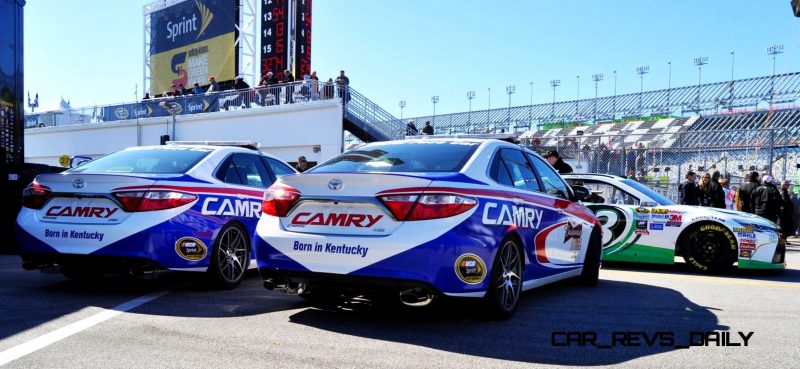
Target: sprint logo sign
186	26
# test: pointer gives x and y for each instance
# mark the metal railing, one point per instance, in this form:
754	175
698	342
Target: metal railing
359	109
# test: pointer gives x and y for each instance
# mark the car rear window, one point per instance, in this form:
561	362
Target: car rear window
167	160
411	156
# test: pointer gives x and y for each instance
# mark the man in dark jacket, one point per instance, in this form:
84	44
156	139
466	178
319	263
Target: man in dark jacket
745	192
688	190
427	129
787	221
558	164
766	200
718	194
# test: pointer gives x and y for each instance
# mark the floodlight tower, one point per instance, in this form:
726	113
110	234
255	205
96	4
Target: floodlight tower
511	89
401	104
699	62
773	50
596	78
554	83
641	71
434	100
470	96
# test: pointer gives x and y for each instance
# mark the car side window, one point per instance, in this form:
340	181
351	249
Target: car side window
228	173
551	181
251	170
278	168
519	170
499	172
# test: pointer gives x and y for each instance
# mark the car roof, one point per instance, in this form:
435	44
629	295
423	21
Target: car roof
602	175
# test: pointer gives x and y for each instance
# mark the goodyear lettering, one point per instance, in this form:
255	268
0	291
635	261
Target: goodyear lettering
337	219
231	207
80	212
520	216
182	27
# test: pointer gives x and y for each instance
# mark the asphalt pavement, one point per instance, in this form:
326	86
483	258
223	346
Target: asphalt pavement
634	318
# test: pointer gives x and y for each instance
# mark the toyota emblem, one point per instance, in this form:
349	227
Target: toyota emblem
78	183
335	184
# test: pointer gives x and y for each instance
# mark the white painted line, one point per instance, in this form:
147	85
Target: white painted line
50	338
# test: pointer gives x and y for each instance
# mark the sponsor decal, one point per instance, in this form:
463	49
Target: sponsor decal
191	248
80	212
659	211
520	216
470	268
746	235
745	253
331	248
231	207
641	227
75	235
675	219
747	245
573	233
657	226
121	113
336	219
745	229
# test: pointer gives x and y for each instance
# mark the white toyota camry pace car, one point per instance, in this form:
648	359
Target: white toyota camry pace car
461	217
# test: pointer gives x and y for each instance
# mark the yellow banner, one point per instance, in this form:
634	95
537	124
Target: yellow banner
194	63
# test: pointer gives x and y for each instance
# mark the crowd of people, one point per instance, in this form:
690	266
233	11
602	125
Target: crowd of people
272	89
759	195
411	129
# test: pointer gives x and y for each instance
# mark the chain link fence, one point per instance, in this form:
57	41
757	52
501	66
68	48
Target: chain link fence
661	160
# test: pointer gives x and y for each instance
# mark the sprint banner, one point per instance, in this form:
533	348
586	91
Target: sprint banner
190	41
160	108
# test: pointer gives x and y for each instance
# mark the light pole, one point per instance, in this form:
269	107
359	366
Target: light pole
470	96
489	108
530	107
641	71
401	104
577	110
614	102
554	83
669	84
699	62
510	90
596	78
773	50
730	100
172	108
434	100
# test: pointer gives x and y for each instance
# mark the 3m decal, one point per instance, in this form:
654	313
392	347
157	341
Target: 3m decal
191	249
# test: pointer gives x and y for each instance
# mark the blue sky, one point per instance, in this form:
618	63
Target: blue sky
91	51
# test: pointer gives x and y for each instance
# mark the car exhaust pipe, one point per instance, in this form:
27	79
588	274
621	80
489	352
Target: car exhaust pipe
416	297
269	284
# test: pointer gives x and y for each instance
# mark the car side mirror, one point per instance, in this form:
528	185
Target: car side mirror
581	192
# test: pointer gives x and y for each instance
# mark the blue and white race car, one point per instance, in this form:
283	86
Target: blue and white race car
183	206
462	217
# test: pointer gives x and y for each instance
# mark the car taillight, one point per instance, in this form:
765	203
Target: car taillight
278	200
35	195
137	201
427	206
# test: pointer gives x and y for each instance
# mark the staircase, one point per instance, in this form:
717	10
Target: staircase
368	121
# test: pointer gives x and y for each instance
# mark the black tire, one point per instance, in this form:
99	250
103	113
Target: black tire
592	261
230	257
709	247
81	272
505	281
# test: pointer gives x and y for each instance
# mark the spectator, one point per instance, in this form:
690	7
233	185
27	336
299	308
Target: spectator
213	86
730	195
641	158
183	90
411	128
146	96
327	89
305	88
175	91
302	164
688	194
745	192
796	205
706	191
787	221
273	94
766	200
344	83
717	193
558	164
288	77
427	129
314	86
197	90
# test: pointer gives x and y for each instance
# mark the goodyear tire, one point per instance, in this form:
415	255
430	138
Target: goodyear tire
709	247
230	257
591	263
505	282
